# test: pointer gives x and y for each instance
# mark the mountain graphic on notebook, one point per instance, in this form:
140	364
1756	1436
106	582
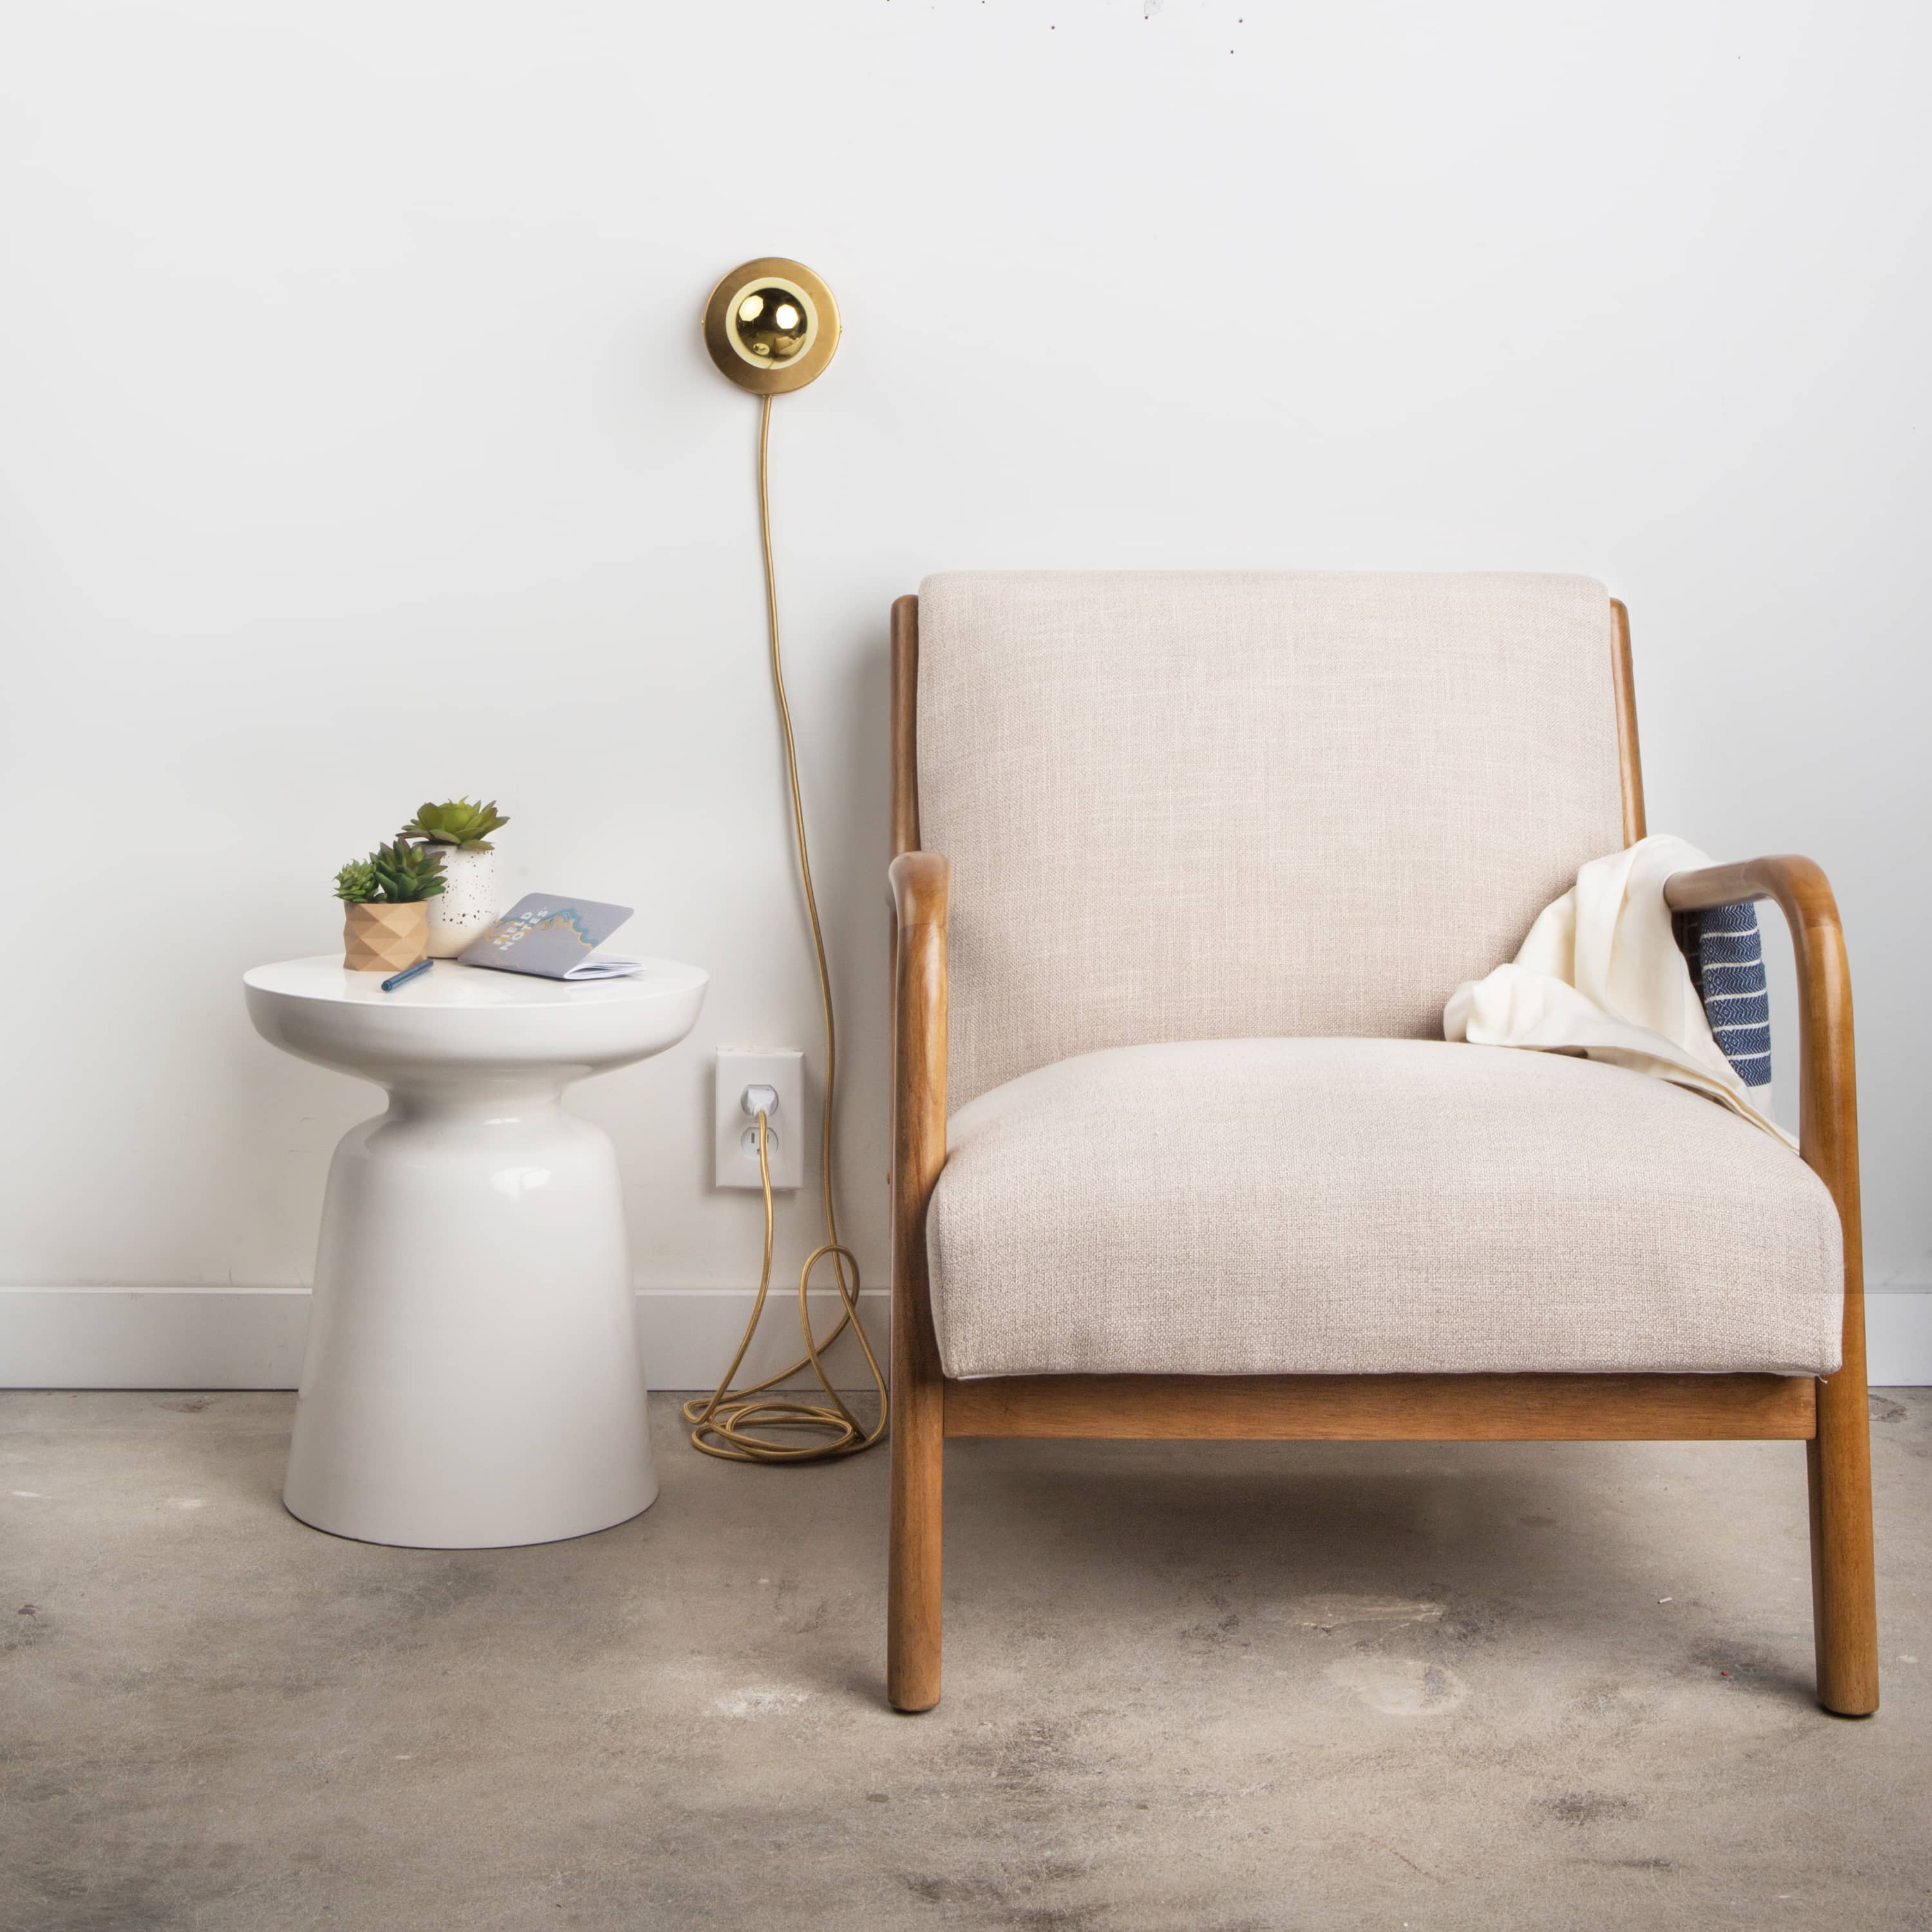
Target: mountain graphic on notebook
551	936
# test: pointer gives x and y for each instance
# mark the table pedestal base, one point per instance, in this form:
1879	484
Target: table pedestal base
472	1378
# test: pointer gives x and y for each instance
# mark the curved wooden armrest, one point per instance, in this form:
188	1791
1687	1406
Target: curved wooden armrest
1828	1098
922	891
922	888
1838	1457
922	884
1798	885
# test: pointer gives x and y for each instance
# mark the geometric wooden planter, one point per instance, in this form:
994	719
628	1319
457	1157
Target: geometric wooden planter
380	938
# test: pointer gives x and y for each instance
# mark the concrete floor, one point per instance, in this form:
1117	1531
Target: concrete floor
1246	1688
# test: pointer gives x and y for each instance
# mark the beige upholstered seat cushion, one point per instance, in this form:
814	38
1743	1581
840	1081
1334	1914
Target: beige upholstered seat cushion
1206	806
1336	1206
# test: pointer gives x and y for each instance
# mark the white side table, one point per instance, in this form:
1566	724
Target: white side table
471	1377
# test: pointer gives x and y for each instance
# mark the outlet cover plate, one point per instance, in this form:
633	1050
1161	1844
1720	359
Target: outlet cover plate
782	1069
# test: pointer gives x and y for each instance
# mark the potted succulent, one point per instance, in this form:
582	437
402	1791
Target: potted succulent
386	898
460	831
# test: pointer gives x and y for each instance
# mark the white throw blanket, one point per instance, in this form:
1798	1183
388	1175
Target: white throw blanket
1600	976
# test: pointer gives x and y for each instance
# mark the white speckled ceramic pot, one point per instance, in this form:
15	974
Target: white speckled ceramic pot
464	909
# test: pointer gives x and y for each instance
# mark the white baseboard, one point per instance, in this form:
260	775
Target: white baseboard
251	1338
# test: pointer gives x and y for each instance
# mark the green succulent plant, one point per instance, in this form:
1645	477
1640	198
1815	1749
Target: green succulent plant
356	884
405	873
398	875
456	822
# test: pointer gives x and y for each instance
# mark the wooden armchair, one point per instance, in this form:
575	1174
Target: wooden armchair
1208	854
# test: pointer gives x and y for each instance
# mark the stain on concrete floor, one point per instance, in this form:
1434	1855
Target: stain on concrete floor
1190	1688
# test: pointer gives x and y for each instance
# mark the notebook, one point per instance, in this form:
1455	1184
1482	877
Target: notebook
551	936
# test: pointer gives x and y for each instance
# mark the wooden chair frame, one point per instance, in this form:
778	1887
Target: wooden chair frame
1828	1415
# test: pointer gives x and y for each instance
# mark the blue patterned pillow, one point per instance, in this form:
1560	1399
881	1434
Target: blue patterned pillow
1722	946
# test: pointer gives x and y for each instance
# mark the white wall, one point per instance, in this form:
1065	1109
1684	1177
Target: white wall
358	446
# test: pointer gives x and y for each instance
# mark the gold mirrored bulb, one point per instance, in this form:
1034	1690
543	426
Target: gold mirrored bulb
771	325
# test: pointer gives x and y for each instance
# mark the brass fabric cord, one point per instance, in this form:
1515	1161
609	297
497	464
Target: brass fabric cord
724	1422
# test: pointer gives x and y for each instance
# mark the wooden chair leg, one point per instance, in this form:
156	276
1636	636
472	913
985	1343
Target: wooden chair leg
1844	1604
920	883
912	1626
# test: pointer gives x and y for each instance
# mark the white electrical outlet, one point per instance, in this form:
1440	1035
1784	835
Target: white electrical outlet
779	1073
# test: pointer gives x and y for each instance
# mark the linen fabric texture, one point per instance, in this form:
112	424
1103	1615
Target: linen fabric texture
1334	1206
1193	805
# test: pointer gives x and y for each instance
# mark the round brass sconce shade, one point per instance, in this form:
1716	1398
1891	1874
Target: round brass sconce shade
771	325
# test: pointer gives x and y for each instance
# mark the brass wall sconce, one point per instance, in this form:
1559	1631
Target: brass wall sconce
771	325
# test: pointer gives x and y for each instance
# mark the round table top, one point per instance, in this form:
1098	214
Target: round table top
446	984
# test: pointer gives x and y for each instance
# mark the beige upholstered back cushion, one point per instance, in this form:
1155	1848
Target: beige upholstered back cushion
1201	806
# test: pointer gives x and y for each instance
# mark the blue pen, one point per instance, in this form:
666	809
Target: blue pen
395	980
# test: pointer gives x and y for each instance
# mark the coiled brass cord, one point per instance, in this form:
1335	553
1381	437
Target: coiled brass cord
722	1422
